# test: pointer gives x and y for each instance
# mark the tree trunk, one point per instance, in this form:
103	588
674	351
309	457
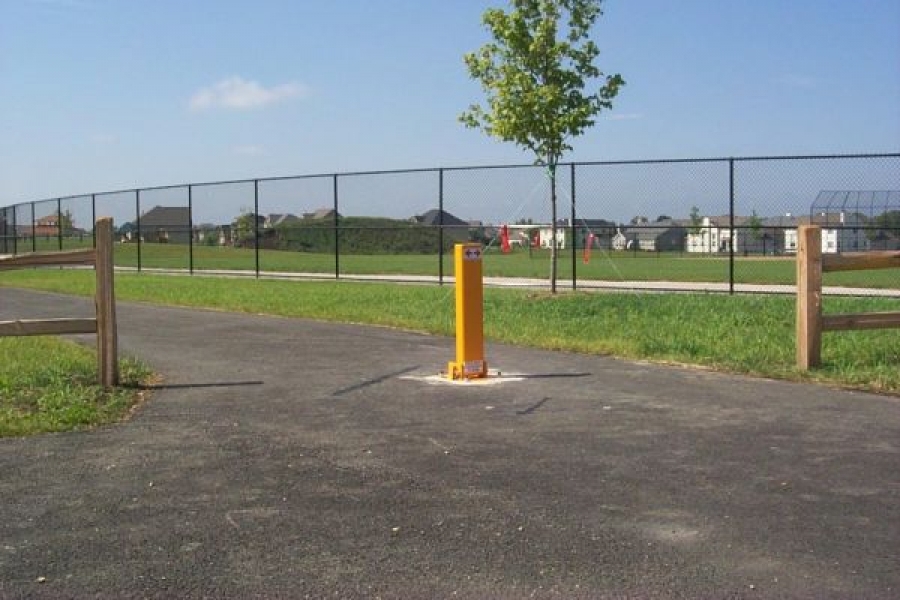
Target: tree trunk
553	257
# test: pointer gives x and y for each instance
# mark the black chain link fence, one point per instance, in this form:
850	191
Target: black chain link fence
718	224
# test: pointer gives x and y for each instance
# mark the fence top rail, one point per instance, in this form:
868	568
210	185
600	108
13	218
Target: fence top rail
134	190
49	259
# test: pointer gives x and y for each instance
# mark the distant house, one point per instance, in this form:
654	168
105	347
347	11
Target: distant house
603	231
321	214
662	236
714	235
751	235
435	217
166	225
618	241
841	232
280	220
243	230
47	226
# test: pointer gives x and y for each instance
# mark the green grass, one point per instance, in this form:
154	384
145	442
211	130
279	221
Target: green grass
739	334
606	266
50	384
603	265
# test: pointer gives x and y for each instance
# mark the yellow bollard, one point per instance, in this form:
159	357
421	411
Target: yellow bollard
470	363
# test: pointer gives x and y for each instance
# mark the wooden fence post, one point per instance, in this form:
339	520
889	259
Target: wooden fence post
107	335
809	297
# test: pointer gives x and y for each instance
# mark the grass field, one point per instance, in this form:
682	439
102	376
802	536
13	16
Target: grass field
603	265
740	334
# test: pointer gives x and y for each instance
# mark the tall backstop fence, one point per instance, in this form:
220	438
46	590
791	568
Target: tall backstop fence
727	222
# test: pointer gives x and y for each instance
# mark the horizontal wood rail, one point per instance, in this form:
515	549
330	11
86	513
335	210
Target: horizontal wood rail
47	327
810	320
49	259
860	261
104	325
878	320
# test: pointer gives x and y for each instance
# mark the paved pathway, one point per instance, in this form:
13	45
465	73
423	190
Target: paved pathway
290	458
563	284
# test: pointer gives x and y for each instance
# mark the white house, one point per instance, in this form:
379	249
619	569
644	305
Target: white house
841	232
619	241
520	234
546	236
710	238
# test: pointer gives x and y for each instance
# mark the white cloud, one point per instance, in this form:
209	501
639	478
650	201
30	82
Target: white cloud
239	94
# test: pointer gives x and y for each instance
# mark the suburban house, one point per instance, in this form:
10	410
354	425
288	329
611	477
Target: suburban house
242	230
545	233
667	235
163	225
714	235
46	226
604	231
454	228
619	240
280	220
321	213
751	235
435	217
841	232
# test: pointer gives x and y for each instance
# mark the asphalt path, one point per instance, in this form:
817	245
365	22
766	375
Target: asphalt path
287	458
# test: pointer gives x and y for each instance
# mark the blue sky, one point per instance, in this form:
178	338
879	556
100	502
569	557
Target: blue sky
111	94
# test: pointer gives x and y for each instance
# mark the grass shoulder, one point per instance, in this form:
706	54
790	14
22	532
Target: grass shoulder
49	384
745	334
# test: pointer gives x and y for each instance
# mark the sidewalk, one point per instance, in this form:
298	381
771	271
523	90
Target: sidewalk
285	458
522	282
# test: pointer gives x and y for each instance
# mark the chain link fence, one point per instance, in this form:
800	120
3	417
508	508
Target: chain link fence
720	224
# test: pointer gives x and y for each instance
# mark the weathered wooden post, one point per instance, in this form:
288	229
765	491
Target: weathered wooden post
809	297
107	335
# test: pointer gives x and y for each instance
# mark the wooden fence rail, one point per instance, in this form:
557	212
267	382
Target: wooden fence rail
810	320
104	325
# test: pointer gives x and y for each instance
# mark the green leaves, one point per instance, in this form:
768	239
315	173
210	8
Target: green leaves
539	76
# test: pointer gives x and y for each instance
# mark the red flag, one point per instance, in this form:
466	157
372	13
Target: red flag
586	257
504	239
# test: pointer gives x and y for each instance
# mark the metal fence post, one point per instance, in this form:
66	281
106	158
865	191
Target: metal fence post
190	230
256	225
33	230
731	226
137	213
572	228
59	224
441	226
94	220
337	242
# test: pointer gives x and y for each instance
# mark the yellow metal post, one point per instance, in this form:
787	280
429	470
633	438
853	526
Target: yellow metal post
469	363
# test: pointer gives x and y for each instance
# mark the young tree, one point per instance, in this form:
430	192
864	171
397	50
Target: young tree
534	75
66	223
